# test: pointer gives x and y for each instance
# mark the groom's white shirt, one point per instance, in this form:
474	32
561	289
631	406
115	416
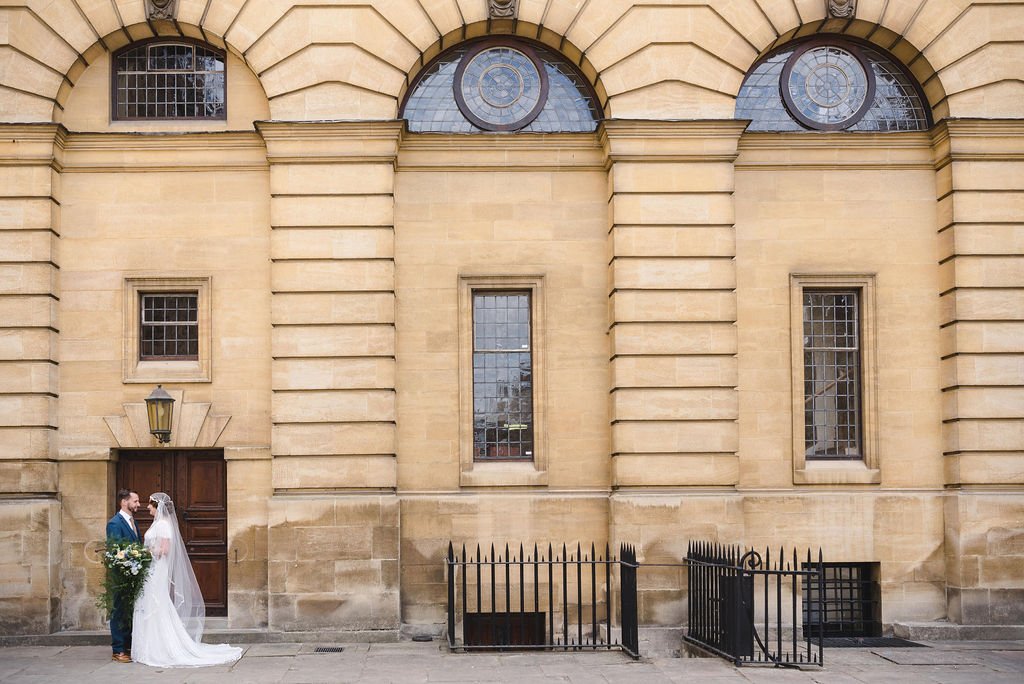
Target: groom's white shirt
128	519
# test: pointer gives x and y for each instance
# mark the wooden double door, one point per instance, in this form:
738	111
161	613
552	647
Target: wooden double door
196	480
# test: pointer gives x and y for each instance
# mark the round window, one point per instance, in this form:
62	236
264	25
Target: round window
500	88
827	87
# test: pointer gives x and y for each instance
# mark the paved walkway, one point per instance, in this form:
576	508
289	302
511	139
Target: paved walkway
951	662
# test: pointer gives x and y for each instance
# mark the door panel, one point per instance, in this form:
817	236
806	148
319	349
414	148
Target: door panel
145	473
197	483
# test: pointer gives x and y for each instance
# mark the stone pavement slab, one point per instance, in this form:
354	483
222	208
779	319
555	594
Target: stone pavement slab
431	663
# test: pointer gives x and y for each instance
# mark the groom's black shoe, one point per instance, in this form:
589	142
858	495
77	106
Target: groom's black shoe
121	657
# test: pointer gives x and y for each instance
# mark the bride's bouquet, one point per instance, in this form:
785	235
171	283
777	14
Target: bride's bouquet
127	565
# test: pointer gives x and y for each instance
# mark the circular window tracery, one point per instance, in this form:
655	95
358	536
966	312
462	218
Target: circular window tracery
826	86
831	83
491	85
499	87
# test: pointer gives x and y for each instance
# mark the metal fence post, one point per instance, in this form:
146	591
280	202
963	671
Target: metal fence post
628	602
451	595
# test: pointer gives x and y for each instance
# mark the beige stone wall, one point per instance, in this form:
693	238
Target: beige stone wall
980	185
333	541
431	520
88	105
813	206
664	251
984	556
457	215
672	308
194	207
30	569
333	563
461	212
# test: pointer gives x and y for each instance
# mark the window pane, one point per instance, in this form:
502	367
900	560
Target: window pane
169	326
169	81
502	377
569	107
896	104
831	331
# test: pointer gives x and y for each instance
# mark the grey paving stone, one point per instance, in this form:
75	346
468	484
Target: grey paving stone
270	650
925	656
428	663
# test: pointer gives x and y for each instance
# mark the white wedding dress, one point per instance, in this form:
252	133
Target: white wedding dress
159	636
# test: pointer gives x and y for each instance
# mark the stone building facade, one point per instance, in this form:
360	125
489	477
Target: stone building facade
667	235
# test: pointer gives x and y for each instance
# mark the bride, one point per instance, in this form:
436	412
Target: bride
167	626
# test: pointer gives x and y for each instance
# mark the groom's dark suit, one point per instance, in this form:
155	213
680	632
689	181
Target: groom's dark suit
120	637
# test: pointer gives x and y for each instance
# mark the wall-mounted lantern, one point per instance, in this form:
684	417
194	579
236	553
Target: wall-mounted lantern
160	409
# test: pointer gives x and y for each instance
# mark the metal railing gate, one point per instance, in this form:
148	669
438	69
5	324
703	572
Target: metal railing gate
554	601
738	600
742	606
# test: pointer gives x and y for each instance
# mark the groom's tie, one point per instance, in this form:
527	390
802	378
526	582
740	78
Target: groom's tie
131	521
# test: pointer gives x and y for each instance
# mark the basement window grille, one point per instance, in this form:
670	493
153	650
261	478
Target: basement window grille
849	599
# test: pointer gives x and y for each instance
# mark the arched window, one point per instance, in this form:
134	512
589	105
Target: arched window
169	80
831	84
500	84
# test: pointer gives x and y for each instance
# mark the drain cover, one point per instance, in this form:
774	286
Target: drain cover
329	649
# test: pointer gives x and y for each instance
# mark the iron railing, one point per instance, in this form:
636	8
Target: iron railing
738	600
553	601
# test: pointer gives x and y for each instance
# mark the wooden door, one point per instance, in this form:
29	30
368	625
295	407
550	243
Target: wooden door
196	480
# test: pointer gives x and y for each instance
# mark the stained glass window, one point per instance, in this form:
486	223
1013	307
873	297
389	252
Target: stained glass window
169	81
831	85
500	86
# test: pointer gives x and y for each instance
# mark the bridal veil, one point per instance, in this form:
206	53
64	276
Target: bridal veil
184	590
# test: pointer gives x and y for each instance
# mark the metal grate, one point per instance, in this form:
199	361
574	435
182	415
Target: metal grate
848	601
169	81
831	342
554	601
329	649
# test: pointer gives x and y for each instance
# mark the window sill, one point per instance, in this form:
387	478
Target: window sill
504	474
836	473
168	371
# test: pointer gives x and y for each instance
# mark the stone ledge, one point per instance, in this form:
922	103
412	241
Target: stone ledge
948	631
212	636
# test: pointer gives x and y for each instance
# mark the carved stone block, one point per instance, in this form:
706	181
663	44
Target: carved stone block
161	9
841	9
502	9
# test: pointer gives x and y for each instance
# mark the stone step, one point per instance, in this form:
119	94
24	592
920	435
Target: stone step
949	631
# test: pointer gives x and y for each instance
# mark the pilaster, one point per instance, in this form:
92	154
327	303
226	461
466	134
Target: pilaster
672	304
980	190
30	162
333	530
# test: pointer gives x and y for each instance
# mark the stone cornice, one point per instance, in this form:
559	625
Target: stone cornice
649	140
990	140
32	144
501	152
774	151
200	151
288	142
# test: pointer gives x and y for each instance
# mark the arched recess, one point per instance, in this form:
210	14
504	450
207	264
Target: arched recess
889	41
82	103
520	29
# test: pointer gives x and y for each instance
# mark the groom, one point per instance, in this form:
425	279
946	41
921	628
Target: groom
122	528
